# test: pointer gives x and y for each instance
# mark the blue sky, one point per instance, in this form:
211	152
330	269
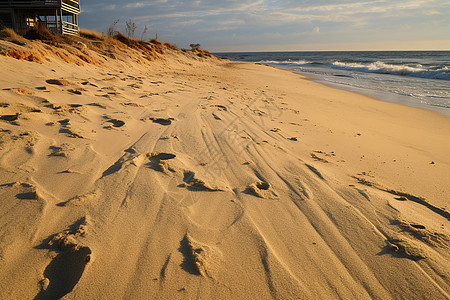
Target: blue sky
276	25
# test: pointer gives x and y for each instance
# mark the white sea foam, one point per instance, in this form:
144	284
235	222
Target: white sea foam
380	67
285	62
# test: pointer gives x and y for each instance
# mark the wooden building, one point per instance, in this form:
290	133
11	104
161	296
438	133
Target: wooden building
60	16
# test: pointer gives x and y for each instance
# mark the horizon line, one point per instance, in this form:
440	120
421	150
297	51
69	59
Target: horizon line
261	51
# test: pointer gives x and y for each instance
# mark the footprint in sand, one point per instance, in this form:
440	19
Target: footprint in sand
64	122
195	184
163	121
20	91
149	95
261	189
77	91
135	86
10	118
170	138
400	246
66	268
130	158
61	151
89	83
53	106
65	128
221	107
132	104
116	122
79	200
97	105
28	191
62	82
158	162
199	259
315	155
70	133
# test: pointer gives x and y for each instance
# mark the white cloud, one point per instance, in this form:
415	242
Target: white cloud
135	5
215	21
110	7
432	12
232	22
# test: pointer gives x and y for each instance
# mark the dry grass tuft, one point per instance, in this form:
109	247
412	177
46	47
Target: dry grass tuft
10	35
43	34
92	34
149	50
170	46
132	43
155	41
203	53
6	33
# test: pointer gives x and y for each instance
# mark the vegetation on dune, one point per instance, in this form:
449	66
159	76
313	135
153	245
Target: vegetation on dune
6	33
76	49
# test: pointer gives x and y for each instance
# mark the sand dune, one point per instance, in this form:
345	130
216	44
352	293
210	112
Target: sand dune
195	177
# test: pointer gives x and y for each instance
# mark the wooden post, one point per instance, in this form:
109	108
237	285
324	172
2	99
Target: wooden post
14	20
62	27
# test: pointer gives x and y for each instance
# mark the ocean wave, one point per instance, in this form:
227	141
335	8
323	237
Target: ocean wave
416	70
439	105
285	62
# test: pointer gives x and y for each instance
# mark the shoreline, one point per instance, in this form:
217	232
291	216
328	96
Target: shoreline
385	76
385	96
188	176
380	95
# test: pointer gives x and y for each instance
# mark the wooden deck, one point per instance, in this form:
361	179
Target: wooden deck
72	6
60	16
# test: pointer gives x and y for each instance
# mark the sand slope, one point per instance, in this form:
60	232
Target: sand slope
200	178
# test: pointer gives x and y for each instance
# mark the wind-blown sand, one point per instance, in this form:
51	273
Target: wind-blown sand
192	177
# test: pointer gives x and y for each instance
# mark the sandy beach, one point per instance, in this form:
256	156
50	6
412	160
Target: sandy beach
185	176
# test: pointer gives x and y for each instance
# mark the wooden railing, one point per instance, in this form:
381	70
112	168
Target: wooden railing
69	28
75	9
71	4
55	27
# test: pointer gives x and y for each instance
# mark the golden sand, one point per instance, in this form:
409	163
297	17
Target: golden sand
198	178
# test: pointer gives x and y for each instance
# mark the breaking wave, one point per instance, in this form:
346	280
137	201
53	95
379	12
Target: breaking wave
416	70
285	62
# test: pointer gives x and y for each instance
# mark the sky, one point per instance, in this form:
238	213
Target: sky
280	25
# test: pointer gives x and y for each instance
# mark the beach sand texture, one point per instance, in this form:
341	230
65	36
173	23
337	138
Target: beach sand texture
200	178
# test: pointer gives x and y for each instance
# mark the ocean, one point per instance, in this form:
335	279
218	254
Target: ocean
414	78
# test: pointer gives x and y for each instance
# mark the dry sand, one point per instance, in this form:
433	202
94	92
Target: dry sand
198	178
